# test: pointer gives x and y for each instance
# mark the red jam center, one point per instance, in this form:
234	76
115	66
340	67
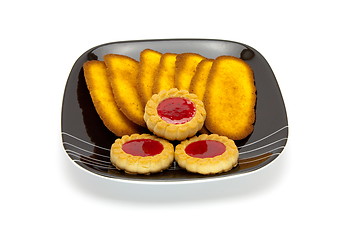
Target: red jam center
205	149
143	147
176	110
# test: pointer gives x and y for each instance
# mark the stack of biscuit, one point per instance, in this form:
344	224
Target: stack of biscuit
121	86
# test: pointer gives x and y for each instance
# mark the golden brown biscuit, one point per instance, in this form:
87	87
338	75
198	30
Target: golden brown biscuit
186	64
122	73
199	83
199	80
142	154
102	97
230	98
149	62
165	76
207	154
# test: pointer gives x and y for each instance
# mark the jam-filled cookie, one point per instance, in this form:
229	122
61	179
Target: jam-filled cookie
207	154
174	114
141	154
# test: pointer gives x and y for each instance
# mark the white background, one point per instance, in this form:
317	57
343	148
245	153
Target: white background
301	195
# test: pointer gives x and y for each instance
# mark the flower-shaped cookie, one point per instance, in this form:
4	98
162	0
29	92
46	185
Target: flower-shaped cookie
174	114
141	154
207	154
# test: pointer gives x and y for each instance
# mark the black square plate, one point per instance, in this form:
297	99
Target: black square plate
87	141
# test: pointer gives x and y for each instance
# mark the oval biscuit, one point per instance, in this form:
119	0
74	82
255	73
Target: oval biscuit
122	73
230	98
95	73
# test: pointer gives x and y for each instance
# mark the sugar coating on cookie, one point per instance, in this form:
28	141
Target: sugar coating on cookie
230	98
100	90
122	73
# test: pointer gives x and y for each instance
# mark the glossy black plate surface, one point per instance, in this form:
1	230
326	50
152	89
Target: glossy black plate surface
87	141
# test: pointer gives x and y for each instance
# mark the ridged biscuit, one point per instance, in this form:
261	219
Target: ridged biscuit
122	73
186	64
230	98
95	73
165	76
167	129
211	165
149	62
138	164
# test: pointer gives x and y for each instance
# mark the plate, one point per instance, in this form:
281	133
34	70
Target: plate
87	141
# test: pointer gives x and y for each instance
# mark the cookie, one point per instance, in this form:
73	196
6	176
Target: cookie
95	73
165	76
207	154
149	62
230	98
199	80
174	114
186	64
141	154
122	73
